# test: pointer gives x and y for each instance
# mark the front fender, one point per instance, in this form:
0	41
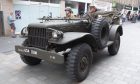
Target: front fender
114	29
72	37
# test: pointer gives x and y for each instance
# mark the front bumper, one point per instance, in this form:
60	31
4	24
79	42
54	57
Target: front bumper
41	54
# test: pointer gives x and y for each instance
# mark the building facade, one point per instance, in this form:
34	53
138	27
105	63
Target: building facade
134	3
6	7
27	11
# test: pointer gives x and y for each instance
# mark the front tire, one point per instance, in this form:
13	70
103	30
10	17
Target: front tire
114	48
30	60
78	62
27	59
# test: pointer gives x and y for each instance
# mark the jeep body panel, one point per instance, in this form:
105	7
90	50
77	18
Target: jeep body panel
72	37
41	54
69	37
75	26
113	30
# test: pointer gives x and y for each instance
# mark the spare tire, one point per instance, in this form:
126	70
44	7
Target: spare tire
100	30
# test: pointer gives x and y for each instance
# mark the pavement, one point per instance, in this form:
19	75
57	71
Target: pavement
7	43
124	68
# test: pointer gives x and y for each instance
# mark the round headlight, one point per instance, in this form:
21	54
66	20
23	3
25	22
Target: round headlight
55	34
24	32
100	16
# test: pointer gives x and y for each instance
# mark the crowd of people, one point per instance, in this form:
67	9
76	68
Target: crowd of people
132	17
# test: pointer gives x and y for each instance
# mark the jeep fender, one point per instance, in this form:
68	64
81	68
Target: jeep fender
74	38
114	29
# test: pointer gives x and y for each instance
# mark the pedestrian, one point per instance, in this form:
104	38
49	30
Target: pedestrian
128	15
139	17
12	24
134	17
124	17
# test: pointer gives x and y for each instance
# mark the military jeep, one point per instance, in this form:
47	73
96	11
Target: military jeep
71	41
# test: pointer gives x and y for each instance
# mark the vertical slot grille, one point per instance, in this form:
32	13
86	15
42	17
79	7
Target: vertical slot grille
38	37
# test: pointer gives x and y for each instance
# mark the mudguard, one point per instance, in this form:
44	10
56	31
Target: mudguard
70	37
114	29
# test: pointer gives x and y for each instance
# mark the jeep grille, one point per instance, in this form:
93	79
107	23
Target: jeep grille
38	37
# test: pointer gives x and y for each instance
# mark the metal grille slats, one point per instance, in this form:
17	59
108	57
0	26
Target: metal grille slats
38	37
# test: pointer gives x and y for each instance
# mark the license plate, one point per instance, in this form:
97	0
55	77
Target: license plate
34	52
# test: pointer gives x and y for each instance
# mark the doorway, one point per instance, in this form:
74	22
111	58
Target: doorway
1	24
81	9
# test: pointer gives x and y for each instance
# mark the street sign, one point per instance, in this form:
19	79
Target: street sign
18	14
128	7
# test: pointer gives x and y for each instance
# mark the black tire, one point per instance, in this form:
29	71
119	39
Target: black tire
78	62
100	30
29	60
114	48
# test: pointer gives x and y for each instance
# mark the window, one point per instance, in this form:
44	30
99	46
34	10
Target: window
135	9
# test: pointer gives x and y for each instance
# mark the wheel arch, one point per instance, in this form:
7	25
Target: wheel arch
114	30
89	39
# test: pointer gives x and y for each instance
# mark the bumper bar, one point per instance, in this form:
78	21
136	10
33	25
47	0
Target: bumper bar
41	54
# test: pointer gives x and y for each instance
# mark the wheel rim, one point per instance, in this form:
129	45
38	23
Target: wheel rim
83	64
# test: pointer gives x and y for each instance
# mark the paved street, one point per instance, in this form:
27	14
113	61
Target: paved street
7	43
124	68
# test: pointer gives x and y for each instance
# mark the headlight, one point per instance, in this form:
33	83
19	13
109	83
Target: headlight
24	32
100	16
56	34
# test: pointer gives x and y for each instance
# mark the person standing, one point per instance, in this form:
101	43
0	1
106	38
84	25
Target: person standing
12	24
134	17
139	17
124	17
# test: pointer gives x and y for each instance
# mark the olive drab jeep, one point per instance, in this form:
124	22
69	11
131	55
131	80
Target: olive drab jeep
71	41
